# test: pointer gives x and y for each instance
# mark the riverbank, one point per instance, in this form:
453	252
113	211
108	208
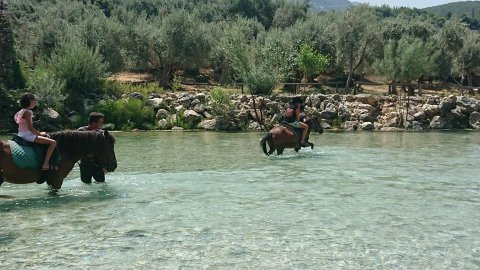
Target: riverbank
180	111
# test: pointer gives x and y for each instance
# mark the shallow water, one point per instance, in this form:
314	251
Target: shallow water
196	200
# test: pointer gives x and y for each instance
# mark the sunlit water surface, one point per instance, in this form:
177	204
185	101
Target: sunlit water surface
197	200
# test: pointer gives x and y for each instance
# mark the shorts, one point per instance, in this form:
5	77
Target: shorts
29	137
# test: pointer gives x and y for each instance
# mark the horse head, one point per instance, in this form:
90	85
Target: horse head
104	153
314	124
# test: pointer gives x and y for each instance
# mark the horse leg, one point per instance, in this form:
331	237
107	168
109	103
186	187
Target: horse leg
2	178
280	151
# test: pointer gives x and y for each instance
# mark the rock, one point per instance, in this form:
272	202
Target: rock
136	95
201	96
108	126
438	122
343	113
180	109
430	110
366	99
208	124
389	129
420	116
195	102
350	125
163	124
325	125
177	128
254	126
329	112
192	117
199	108
474	120
366	126
447	105
417	126
367	118
52	115
431	101
185	101
161	114
337	97
154	102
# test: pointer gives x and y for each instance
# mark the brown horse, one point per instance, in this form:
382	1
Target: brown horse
73	145
281	137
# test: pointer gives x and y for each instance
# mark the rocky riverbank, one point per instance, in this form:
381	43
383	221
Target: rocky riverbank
341	112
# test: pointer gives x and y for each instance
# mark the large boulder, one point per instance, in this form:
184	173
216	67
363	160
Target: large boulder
431	110
350	125
366	126
52	115
155	102
475	120
447	105
438	122
199	108
209	124
163	124
192	117
329	112
420	116
161	114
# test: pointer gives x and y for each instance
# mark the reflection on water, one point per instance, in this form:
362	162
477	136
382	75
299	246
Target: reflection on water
214	201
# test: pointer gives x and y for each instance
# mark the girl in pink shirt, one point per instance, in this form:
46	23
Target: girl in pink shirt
26	130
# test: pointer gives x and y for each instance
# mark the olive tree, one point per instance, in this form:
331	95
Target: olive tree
357	39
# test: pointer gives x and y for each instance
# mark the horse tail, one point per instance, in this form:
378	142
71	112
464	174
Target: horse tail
263	142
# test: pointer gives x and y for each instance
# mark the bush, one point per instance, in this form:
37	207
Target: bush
260	80
128	114
310	62
46	88
82	69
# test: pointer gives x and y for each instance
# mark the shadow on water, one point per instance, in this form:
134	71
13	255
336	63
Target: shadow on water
99	193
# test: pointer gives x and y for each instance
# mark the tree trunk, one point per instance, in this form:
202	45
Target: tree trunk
470	79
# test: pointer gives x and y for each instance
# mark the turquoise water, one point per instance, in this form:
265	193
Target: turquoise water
196	200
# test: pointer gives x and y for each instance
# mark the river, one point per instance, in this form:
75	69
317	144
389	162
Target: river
205	200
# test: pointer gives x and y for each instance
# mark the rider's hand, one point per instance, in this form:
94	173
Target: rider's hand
43	133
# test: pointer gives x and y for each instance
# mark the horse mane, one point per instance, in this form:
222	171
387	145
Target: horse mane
78	142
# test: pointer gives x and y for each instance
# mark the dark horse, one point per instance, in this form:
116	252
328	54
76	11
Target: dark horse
281	137
73	145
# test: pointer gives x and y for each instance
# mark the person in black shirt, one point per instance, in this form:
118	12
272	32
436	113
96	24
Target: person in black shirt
88	168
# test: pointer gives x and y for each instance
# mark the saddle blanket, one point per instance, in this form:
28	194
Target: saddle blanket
28	157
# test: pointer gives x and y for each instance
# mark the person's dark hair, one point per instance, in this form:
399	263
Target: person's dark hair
26	99
94	117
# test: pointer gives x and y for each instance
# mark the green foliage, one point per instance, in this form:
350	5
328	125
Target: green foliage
82	69
118	89
48	89
176	83
224	110
128	114
10	72
310	62
357	39
405	61
180	121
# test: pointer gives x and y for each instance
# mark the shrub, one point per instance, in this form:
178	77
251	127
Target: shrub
82	69
128	114
48	89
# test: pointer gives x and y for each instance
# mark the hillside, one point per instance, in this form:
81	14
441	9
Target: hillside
457	8
327	5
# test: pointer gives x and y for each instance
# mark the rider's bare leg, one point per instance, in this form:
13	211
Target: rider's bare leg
304	128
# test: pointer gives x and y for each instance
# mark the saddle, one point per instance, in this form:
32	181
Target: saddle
29	155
